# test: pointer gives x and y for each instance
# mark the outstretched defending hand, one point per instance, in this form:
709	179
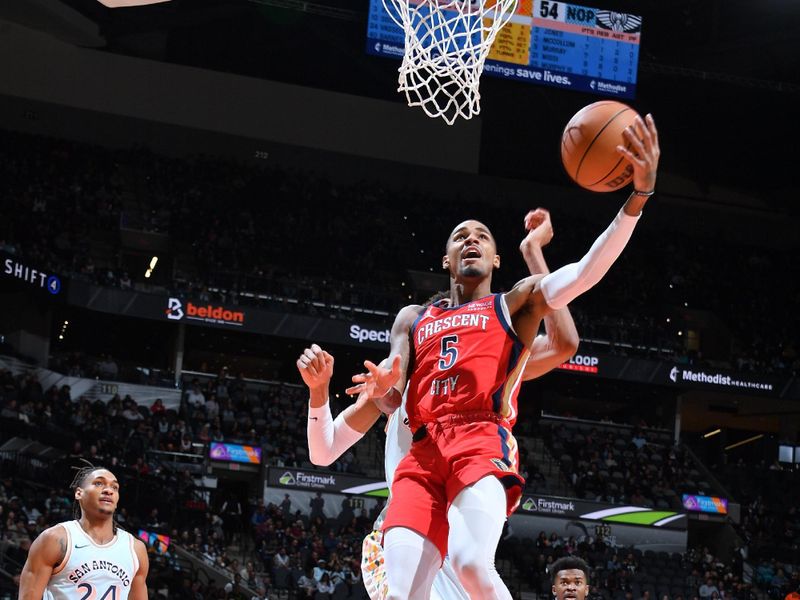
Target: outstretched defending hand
540	230
377	382
316	367
644	152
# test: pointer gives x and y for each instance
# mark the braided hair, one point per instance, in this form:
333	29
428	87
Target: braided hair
81	473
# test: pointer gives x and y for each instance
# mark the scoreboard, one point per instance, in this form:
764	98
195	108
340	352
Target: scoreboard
548	43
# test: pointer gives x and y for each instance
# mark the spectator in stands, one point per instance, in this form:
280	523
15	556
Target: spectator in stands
130	410
779	584
706	590
637	499
221	385
281	559
107	368
212	407
317	504
194	396
286	506
320	569
346	515
307	584
613	563
325	587
231	511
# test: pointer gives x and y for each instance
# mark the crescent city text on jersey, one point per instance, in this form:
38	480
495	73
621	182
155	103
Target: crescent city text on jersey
87	567
445	323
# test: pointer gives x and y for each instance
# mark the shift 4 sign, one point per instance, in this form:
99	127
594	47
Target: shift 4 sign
31	275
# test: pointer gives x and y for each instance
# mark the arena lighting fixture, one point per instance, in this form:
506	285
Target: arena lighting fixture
743	442
153	262
710	433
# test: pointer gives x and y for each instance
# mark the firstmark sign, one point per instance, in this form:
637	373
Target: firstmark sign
301	479
548	507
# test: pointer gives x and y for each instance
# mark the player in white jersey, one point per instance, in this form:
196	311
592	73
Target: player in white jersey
446	585
88	558
328	439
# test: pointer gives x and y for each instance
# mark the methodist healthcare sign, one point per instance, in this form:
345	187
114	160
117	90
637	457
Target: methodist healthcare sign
641	370
717	379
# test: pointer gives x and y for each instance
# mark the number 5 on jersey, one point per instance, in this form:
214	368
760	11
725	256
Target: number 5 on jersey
449	353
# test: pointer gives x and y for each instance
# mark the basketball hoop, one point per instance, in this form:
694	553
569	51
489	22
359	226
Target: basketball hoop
446	44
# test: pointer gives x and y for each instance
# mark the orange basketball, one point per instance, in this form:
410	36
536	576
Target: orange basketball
589	142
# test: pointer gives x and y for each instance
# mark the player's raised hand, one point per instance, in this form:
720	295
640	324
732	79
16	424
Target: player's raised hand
315	367
540	230
377	382
643	152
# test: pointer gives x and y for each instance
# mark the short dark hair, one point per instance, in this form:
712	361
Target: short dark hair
437	296
566	563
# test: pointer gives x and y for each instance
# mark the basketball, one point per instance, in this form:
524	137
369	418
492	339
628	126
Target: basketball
589	142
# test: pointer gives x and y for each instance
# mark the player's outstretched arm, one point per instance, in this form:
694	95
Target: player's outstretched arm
384	383
139	583
328	439
47	552
540	295
560	341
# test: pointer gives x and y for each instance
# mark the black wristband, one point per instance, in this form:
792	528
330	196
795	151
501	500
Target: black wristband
638	193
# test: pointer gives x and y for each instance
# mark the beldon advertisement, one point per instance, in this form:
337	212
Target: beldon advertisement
178	309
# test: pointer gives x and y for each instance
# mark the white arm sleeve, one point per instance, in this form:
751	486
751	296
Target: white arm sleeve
328	439
567	283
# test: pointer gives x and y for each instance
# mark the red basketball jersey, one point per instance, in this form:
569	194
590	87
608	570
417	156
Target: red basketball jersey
465	359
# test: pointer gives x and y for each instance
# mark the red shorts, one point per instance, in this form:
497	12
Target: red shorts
451	454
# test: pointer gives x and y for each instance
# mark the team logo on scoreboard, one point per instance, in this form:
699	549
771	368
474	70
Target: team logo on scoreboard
617	21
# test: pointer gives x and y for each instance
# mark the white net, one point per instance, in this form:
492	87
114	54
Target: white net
446	45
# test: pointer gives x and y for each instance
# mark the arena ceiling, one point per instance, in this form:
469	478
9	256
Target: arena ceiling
721	76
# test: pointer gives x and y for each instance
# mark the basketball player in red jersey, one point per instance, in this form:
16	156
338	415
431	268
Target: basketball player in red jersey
328	439
88	558
462	360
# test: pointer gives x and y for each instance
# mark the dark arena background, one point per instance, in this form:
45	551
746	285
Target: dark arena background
194	191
